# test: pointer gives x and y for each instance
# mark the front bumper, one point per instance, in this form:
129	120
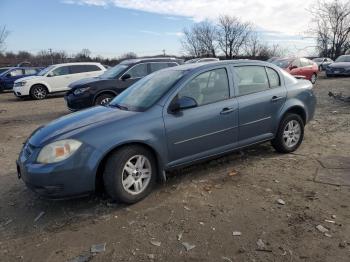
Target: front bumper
72	177
75	103
21	91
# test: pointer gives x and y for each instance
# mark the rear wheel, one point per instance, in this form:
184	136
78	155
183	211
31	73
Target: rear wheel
130	174
290	134
104	99
38	92
313	78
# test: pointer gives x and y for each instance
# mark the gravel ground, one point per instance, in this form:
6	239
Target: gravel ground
222	210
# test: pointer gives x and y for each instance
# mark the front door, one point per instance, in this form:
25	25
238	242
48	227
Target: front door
260	96
59	78
210	127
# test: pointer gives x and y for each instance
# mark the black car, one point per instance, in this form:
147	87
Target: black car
101	90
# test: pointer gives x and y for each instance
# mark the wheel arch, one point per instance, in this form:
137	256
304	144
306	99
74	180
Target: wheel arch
102	162
106	91
39	84
295	109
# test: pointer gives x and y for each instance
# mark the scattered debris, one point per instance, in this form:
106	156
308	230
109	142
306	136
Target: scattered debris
281	202
81	258
236	233
342	244
226	259
187	208
151	256
327	235
233	173
329	221
201	223
179	236
333	216
155	243
321	228
188	246
98	248
276	181
339	96
39	216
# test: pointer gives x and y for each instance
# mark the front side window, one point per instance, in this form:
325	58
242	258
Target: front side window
251	79
273	76
138	71
60	71
208	87
296	63
30	71
158	66
16	72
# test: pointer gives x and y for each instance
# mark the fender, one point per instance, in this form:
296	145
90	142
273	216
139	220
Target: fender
292	104
44	83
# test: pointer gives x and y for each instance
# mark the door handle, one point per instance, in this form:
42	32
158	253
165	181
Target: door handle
227	110
276	98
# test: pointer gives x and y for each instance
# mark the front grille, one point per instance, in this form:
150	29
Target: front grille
28	150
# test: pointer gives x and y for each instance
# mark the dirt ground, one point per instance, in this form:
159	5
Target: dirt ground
199	207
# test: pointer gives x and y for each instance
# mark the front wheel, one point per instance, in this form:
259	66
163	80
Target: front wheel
290	134
104	99
130	174
38	92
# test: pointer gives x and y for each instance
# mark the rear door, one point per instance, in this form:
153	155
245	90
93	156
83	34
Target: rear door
59	78
261	95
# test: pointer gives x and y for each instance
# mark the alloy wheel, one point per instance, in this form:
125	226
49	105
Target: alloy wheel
39	92
137	174
105	101
291	133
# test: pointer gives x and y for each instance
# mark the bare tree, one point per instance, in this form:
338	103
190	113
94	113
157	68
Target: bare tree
332	27
253	45
200	40
232	35
3	36
129	55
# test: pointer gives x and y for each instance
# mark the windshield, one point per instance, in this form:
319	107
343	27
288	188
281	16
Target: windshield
282	63
45	70
343	58
146	92
317	59
113	72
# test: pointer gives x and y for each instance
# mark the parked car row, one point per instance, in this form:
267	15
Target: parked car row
170	118
8	75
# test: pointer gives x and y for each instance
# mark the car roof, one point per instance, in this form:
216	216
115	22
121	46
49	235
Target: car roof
224	62
151	59
77	63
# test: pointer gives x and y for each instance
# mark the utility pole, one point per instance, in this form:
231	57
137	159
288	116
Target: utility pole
50	50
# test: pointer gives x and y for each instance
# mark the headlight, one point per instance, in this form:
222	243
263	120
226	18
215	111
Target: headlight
81	90
58	151
22	83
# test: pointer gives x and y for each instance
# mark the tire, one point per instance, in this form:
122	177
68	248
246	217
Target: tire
284	135
125	186
313	78
38	92
103	99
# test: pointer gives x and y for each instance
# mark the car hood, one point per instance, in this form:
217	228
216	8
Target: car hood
340	64
75	122
29	78
85	81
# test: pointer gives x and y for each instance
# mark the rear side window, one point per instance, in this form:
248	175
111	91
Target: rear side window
208	87
30	71
158	66
60	71
274	78
138	71
251	79
16	72
76	69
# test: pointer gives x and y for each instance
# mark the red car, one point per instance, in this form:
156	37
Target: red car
299	67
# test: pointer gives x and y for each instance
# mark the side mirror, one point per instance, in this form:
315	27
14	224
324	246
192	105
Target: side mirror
182	103
49	75
292	67
125	77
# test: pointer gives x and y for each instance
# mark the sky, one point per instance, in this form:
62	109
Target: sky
113	27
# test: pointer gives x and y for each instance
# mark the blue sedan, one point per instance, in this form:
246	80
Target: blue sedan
169	119
11	74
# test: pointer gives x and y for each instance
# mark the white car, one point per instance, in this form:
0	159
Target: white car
55	78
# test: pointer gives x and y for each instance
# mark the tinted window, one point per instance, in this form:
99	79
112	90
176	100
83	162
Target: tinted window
91	68
251	79
16	72
138	71
208	87
273	76
30	71
60	71
158	66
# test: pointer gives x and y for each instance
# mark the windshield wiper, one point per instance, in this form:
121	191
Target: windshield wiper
119	106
